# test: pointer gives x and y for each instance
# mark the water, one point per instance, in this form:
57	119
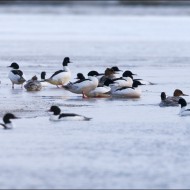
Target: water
128	143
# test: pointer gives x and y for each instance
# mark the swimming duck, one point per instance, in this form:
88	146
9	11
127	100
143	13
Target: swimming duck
58	116
83	86
183	111
6	119
167	102
60	77
128	92
15	75
171	100
33	84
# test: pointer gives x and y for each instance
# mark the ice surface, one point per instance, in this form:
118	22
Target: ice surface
128	143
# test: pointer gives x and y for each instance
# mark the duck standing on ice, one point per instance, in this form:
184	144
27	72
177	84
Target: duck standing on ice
83	86
60	77
15	75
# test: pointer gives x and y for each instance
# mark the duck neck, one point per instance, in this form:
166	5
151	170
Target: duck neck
66	68
183	109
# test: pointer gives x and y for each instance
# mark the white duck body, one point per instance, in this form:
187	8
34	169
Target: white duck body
58	116
61	77
128	92
101	91
68	117
16	76
83	86
123	82
183	110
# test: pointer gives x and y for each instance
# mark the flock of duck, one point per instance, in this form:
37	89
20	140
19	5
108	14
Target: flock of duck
112	83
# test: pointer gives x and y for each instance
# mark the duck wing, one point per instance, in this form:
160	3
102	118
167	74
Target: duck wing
57	72
17	72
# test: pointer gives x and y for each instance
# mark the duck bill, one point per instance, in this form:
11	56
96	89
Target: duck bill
185	95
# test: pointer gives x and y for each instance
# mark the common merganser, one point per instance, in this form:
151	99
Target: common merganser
183	111
33	84
101	91
60	77
128	92
167	102
58	116
125	81
85	85
108	74
176	95
118	72
6	119
171	100
16	76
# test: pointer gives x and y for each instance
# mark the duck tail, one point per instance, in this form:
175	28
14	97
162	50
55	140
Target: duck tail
87	118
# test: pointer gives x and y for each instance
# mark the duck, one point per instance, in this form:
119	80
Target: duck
101	91
61	77
128	92
15	75
166	102
33	84
118	72
176	95
126	80
183	111
6	119
83	85
108	74
58	116
171	100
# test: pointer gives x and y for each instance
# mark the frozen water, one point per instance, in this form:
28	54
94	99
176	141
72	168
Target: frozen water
128	143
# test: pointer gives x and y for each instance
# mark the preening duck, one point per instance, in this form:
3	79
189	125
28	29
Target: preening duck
33	84
6	119
60	77
58	116
183	110
15	75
